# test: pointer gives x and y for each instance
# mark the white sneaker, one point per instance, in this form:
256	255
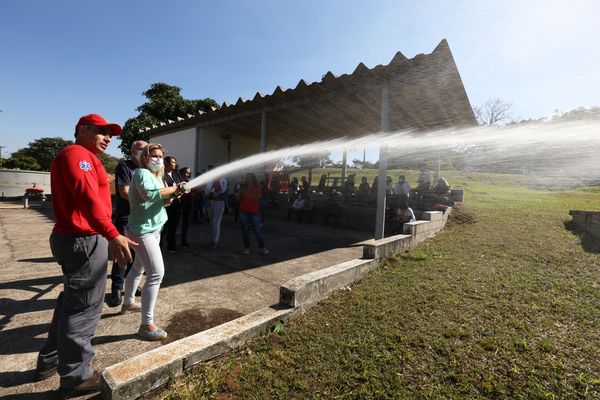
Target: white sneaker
246	251
264	252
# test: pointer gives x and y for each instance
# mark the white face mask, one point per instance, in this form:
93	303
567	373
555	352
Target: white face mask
155	164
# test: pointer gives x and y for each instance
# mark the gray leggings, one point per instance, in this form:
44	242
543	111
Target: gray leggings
148	257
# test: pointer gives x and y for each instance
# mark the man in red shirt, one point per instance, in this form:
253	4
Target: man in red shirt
80	240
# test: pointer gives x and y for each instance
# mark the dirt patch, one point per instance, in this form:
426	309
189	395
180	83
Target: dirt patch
460	215
194	320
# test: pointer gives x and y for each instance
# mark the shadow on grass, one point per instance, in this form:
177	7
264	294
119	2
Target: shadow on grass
590	243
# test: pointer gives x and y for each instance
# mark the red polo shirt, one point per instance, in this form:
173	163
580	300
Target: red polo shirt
81	194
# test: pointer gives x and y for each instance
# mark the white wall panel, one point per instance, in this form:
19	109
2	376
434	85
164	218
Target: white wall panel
180	145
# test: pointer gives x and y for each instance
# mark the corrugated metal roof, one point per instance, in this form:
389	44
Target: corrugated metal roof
349	103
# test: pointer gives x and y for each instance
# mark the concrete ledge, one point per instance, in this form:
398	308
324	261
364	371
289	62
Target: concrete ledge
432	215
588	221
146	372
386	247
315	286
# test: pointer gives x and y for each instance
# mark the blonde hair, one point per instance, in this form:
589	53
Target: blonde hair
146	155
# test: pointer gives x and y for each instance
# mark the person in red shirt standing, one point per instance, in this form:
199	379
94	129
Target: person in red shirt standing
249	195
80	241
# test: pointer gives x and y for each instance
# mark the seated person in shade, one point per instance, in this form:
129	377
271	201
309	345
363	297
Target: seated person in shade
296	206
307	212
333	209
374	187
389	187
305	184
442	192
349	186
403	215
424	180
402	187
322	184
335	186
363	189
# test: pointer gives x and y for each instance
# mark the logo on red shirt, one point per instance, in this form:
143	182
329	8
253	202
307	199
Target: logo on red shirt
85	165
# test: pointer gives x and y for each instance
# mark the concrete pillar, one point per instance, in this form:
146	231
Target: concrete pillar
263	132
383	159
344	167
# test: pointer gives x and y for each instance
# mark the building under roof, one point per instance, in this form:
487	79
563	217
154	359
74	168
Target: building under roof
421	93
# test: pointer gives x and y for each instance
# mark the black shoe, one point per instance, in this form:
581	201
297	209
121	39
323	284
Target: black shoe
46	367
90	385
115	298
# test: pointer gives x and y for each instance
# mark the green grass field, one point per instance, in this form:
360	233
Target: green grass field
503	303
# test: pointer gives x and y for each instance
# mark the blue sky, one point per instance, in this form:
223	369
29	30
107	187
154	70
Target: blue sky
65	58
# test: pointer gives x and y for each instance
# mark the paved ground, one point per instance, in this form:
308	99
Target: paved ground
199	285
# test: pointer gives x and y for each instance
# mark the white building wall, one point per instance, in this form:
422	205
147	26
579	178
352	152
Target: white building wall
212	147
13	182
180	144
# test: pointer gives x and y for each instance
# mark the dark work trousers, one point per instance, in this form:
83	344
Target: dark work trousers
186	213
170	229
118	274
78	307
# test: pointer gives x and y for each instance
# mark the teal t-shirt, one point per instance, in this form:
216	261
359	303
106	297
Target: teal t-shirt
148	213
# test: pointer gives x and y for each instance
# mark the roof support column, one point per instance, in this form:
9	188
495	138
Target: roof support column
263	132
383	160
344	168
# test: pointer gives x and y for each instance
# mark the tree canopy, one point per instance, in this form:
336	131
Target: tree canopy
38	155
164	102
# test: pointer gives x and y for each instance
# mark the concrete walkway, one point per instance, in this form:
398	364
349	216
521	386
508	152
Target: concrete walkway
197	284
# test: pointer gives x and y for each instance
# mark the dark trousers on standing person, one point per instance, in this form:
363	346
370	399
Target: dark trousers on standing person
118	274
186	214
174	214
247	219
78	307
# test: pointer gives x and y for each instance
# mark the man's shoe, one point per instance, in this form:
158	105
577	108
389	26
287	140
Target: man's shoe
114	299
90	385
46	367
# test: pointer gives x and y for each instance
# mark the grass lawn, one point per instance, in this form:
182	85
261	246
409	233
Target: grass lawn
504	307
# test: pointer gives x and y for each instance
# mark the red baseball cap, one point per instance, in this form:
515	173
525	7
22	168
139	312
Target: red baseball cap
97	120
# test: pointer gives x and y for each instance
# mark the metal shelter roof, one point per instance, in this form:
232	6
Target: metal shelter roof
426	92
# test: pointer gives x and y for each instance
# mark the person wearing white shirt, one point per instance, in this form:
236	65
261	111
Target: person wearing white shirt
216	190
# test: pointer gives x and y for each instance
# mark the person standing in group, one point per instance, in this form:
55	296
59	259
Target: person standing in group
216	190
186	206
249	196
80	240
147	198
171	178
123	174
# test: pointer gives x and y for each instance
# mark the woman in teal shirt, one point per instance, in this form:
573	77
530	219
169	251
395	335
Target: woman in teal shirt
147	200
